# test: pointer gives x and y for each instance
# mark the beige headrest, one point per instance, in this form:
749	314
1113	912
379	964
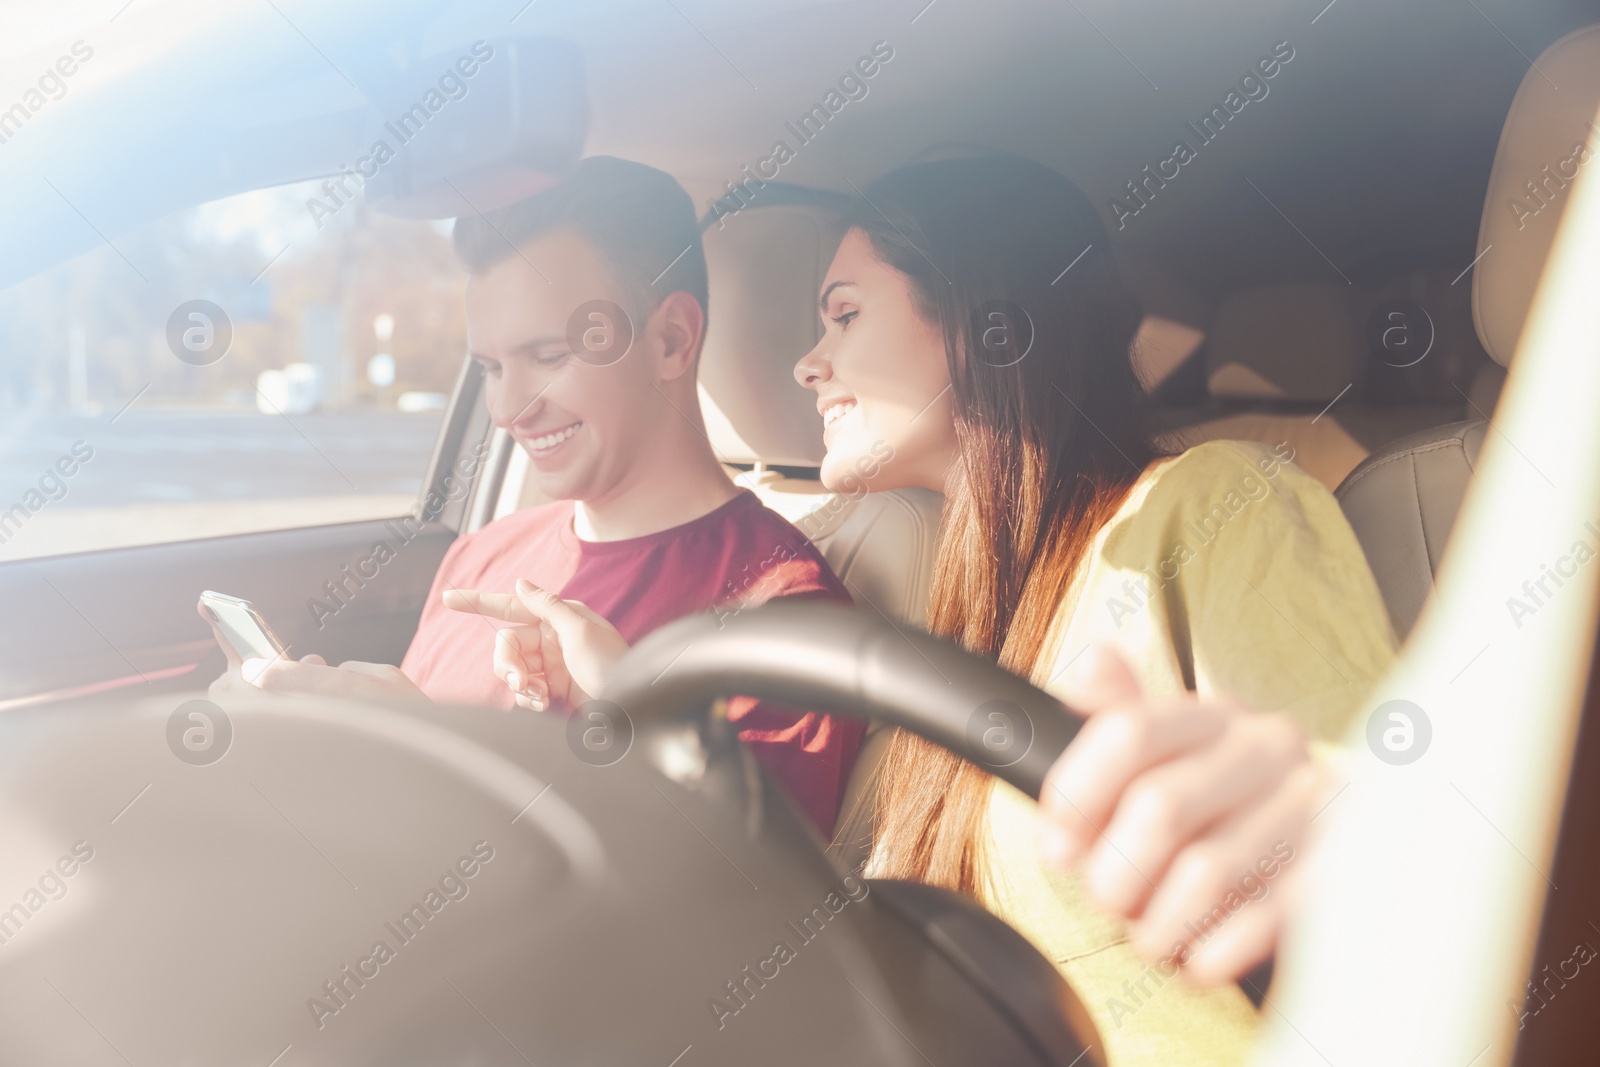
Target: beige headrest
766	267
1549	134
1287	341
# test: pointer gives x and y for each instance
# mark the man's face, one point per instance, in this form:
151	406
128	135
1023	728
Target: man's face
582	421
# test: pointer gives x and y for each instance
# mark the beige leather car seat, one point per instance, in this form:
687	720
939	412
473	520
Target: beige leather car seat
766	267
1403	500
1284	366
1282	352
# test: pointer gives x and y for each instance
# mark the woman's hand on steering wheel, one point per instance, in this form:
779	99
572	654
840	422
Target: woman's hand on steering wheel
1186	816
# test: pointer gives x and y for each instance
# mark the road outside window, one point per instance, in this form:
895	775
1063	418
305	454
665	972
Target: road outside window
237	367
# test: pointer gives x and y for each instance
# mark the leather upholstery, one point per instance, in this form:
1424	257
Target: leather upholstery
1402	503
1323	448
766	267
1283	367
1546	138
879	544
1403	500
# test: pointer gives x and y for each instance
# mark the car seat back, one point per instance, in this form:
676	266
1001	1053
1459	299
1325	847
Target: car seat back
1284	366
1402	501
766	267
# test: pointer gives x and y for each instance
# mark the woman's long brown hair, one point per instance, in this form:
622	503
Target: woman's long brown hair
1051	441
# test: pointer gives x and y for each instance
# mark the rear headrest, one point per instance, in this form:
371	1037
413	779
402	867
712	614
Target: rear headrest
1549	134
1286	341
766	267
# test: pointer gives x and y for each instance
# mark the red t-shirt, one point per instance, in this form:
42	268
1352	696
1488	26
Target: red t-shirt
735	556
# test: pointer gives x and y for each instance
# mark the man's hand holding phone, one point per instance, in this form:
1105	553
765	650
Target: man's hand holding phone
557	653
258	661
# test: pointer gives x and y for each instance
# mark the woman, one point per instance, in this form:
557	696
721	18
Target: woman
976	331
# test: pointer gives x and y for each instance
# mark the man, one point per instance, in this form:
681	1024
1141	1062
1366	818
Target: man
586	309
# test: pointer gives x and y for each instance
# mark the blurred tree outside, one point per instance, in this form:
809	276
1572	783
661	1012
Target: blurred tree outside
280	279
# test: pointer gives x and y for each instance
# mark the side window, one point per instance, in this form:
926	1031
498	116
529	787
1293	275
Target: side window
256	363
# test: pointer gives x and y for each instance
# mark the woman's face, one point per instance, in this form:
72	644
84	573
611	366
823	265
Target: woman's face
882	383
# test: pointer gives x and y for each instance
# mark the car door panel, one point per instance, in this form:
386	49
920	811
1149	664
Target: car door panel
96	620
88	619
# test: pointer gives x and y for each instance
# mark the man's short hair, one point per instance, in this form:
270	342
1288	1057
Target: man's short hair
639	219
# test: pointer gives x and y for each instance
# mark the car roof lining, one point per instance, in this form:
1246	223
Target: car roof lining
1368	144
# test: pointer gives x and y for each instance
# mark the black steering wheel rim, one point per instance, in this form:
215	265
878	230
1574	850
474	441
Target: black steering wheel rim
827	657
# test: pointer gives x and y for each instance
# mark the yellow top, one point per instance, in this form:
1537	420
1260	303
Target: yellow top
1228	570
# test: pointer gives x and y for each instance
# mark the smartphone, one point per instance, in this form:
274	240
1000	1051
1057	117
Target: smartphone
242	626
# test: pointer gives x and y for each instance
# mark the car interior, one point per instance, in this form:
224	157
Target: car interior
1399	190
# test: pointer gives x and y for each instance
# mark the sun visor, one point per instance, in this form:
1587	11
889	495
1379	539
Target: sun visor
366	114
477	128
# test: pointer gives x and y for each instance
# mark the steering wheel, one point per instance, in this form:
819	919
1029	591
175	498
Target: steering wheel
463	887
829	657
825	656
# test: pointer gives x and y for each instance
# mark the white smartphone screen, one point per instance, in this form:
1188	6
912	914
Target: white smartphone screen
242	625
